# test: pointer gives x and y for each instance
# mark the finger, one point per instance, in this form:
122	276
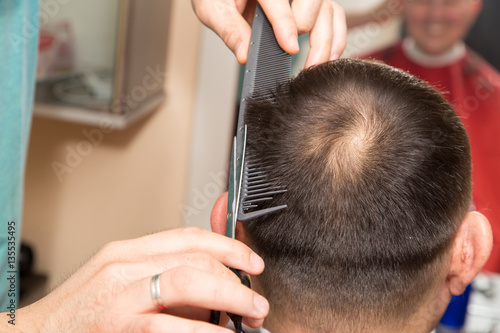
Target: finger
204	315
281	18
305	13
321	36
339	32
254	323
189	287
130	272
230	252
186	286
227	22
164	323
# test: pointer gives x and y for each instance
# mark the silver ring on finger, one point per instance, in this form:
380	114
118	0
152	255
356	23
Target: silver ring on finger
155	293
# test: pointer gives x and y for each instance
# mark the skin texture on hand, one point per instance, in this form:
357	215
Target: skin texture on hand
323	19
111	293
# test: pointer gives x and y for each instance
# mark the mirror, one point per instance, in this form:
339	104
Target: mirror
101	60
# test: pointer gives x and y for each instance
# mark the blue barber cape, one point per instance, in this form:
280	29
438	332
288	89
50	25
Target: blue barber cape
18	48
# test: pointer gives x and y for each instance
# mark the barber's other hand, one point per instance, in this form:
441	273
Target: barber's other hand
111	293
324	19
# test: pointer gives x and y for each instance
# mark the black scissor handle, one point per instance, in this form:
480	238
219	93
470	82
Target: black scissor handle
236	319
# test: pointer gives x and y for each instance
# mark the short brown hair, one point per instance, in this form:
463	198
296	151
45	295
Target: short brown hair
378	171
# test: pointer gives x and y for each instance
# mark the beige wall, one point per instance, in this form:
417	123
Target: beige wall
130	184
213	129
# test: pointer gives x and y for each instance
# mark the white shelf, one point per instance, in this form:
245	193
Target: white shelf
80	115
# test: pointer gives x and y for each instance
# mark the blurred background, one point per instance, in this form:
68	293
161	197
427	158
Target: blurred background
134	115
96	173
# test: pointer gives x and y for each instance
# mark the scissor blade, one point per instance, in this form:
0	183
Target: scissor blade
232	194
235	179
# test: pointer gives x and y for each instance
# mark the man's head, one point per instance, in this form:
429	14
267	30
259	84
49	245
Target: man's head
436	25
378	172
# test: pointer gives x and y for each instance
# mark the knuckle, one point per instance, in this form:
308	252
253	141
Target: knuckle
110	248
190	234
181	278
304	25
111	251
230	35
151	325
110	270
192	231
204	261
307	14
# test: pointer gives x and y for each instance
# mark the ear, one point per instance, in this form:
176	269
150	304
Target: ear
470	251
218	219
219	215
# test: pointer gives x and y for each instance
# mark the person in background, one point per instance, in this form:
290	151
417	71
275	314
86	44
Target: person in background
378	233
434	51
483	37
111	292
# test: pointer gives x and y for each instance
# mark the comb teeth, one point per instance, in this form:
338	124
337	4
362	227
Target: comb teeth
257	188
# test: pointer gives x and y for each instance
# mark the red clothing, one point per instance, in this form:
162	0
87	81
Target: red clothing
473	87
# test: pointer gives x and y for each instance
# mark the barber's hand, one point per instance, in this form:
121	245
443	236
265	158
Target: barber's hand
324	19
111	293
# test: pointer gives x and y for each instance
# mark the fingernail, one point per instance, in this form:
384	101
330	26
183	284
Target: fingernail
261	305
334	56
294	43
256	261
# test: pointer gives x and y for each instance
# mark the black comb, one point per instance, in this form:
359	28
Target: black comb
267	67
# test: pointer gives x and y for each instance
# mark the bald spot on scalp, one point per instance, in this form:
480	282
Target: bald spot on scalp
345	146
